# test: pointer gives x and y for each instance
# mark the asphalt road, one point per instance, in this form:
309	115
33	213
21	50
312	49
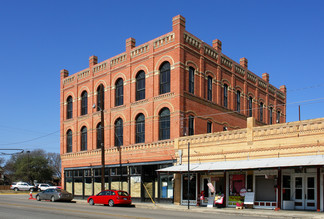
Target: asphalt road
18	206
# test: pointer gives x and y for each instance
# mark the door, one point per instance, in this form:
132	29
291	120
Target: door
310	196
205	189
192	196
305	192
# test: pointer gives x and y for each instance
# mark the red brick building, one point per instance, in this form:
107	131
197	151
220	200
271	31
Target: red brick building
171	86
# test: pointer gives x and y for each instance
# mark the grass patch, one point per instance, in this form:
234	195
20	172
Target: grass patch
13	192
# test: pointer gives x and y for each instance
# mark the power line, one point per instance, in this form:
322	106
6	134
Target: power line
21	142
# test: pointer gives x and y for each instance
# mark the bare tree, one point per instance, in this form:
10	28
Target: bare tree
54	160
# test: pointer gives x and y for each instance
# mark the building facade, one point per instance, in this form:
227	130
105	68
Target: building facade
172	86
279	166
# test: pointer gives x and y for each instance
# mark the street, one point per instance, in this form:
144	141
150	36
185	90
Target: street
18	206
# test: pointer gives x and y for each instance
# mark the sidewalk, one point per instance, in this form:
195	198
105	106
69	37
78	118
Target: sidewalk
232	211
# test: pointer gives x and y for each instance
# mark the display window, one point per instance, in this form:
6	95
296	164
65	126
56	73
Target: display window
237	184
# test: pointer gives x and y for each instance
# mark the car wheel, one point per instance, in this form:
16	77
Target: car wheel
53	199
91	202
16	189
111	203
31	190
38	198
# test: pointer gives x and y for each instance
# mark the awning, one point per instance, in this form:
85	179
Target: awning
314	160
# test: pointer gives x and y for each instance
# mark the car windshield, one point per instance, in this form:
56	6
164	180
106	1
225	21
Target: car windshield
122	193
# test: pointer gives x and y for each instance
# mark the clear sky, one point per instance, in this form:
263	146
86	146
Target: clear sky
284	38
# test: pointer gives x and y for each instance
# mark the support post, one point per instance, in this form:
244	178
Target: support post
102	147
279	190
318	196
188	190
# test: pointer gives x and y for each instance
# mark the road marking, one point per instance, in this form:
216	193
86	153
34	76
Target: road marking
76	211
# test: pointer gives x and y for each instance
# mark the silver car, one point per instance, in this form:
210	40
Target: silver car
54	195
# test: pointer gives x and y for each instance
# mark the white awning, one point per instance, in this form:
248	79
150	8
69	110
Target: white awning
314	160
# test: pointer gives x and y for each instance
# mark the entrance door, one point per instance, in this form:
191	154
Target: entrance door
217	183
192	196
205	188
305	192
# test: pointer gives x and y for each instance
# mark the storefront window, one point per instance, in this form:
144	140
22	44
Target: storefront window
87	186
68	184
265	188
135	186
116	184
237	183
166	186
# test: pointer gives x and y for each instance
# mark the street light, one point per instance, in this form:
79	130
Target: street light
102	146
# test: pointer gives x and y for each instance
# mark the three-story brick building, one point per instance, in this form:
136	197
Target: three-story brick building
151	94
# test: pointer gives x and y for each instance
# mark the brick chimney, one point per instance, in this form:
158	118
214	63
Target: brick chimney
265	77
130	43
64	73
93	60
217	44
179	27
244	62
283	88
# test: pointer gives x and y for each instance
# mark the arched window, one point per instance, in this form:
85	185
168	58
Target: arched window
238	101
225	95
119	94
270	115
250	106
84	103
164	124
210	88
140	85
84	138
191	80
261	112
119	132
69	141
140	129
278	116
165	78
100	97
209	126
69	107
99	131
191	130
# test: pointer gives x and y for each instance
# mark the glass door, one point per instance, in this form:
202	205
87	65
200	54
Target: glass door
310	196
299	192
305	192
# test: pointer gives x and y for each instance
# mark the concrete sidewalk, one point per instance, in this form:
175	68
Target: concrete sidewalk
232	211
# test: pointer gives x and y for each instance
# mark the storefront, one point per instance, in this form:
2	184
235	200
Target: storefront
291	183
140	180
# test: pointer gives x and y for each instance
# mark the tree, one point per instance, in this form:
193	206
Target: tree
54	160
35	165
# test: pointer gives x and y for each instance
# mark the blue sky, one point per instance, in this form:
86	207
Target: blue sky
39	38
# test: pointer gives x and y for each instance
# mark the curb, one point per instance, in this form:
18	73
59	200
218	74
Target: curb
264	213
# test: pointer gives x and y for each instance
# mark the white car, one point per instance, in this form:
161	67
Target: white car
44	186
22	186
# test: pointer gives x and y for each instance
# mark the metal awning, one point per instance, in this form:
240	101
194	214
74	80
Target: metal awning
314	160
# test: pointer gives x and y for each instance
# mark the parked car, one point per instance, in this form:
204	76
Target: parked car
54	195
111	198
23	186
44	186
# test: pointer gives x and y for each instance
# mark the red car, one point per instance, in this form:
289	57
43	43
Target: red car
111	198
